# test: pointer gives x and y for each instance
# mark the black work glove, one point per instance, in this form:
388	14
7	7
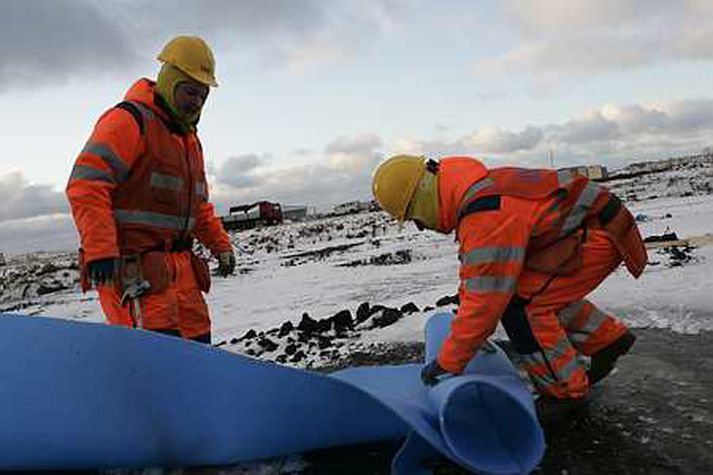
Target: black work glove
431	372
101	271
226	263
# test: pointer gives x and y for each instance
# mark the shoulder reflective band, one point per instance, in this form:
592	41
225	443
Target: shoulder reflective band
117	165
580	209
85	172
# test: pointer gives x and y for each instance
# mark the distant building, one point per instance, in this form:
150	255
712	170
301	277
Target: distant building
295	213
351	207
593	172
2	259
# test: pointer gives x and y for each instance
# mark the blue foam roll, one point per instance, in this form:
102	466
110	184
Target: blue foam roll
90	396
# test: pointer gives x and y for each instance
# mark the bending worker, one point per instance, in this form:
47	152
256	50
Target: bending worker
533	243
139	198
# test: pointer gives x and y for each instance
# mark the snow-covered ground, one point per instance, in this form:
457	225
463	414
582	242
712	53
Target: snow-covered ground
333	265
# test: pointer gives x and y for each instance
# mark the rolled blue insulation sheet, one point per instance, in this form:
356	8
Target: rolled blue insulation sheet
90	396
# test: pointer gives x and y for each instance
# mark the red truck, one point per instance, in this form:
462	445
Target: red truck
261	213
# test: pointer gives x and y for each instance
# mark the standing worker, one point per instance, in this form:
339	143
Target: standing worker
139	198
533	243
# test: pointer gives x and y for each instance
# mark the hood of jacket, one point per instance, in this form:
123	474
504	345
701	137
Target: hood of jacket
455	176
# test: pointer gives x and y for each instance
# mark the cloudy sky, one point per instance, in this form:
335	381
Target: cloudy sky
314	93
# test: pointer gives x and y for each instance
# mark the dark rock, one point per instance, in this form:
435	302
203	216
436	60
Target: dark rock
376	309
448	300
45	289
362	312
268	344
308	325
234	341
297	357
428	308
324	342
250	352
409	308
286	328
248	335
388	317
342	321
323	325
290	349
281	359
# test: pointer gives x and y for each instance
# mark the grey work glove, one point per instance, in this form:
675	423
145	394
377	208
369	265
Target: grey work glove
226	263
431	372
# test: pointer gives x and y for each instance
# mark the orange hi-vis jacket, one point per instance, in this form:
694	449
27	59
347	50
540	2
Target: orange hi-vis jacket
508	220
139	184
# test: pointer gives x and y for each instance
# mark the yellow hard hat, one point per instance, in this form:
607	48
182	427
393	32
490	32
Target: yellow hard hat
193	56
395	181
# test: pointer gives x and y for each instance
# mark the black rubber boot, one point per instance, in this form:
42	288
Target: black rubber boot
603	361
554	411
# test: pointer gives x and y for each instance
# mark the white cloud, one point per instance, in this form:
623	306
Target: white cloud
54	232
22	199
43	41
46	41
558	37
240	171
494	140
611	134
341	173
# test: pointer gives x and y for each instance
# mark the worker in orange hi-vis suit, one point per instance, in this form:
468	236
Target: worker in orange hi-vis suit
533	244
139	198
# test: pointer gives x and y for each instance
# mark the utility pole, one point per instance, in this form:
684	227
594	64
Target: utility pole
551	153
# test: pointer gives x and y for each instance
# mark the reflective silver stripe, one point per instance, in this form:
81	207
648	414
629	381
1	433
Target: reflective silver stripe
121	171
85	172
475	188
570	312
540	380
564	373
593	323
159	180
581	207
559	350
490	283
201	189
564	177
149	218
492	254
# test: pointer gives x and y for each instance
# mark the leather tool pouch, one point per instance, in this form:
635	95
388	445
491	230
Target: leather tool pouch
155	269
201	272
561	258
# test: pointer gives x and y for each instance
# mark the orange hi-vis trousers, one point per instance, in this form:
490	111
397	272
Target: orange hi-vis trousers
551	325
180	309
